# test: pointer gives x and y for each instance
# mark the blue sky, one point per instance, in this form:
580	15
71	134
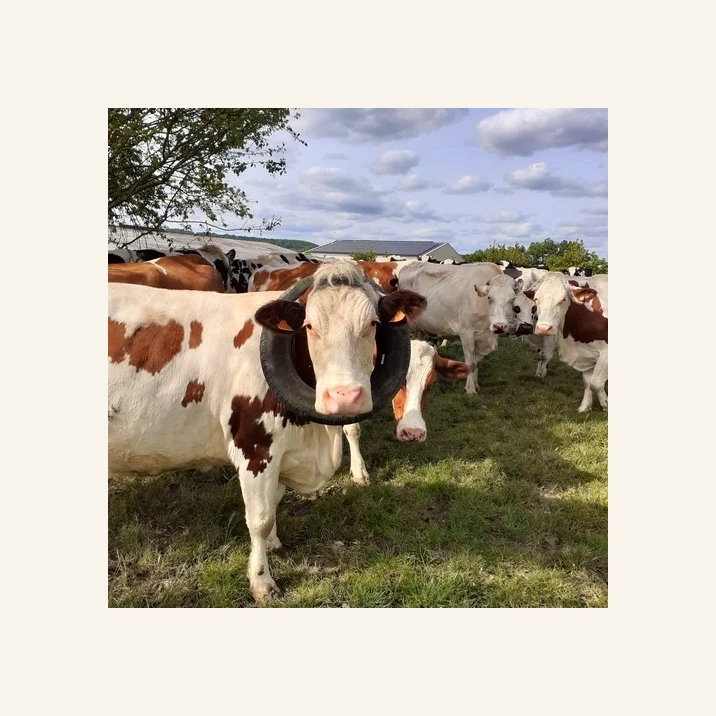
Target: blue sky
469	177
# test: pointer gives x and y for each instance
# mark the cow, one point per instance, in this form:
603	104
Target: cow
212	254
528	275
243	269
426	366
455	308
279	278
526	319
188	388
501	291
188	272
577	315
581	271
425	363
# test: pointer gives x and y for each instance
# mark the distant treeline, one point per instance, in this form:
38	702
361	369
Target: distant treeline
555	256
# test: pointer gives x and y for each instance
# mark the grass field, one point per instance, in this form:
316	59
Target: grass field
504	505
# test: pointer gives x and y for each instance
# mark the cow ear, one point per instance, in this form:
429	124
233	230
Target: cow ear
283	317
231	255
519	283
582	295
530	294
450	369
401	306
482	290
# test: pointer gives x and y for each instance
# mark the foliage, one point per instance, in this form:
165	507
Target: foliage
504	505
364	255
556	256
167	164
293	244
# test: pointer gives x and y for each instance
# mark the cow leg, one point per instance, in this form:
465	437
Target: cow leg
468	350
544	355
273	542
444	343
587	399
599	378
359	474
259	492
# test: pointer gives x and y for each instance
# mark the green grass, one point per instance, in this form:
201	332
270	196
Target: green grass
504	505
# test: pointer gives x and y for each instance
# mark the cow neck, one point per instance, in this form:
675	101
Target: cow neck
585	326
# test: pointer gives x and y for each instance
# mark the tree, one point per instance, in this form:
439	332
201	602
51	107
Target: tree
364	255
165	165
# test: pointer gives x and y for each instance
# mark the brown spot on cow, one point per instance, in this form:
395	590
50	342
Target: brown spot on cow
584	325
247	428
194	393
244	334
283	278
399	401
151	347
382	272
195	331
116	350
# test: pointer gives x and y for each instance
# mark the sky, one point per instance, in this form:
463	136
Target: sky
470	177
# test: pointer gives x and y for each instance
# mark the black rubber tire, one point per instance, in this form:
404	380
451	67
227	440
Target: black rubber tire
391	367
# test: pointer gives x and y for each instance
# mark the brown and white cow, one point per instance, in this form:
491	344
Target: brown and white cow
187	388
577	315
455	307
212	254
425	363
189	272
279	277
410	401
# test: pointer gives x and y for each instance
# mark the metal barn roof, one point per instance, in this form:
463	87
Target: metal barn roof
403	248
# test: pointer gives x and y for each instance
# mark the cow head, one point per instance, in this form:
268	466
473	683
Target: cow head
500	292
409	404
340	318
552	295
525	312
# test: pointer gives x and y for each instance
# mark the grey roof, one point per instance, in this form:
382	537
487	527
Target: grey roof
403	248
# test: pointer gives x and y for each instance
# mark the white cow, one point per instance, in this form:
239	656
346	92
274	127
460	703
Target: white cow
501	292
187	388
426	366
455	308
577	315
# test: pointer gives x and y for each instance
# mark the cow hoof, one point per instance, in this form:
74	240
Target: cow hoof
273	543
266	591
470	391
362	479
584	408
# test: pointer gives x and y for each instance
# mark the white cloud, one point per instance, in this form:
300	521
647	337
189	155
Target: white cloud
592	226
537	177
501	217
397	161
346	197
358	126
596	210
414	182
468	185
522	132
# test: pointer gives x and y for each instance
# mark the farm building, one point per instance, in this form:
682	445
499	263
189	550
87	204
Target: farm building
179	239
400	249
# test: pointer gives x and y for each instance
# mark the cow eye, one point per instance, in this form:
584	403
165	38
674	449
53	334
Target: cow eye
308	326
374	323
517	309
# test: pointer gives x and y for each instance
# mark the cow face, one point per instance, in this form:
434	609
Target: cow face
409	404
552	296
500	292
525	312
340	318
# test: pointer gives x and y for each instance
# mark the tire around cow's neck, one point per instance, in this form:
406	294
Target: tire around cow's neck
391	368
